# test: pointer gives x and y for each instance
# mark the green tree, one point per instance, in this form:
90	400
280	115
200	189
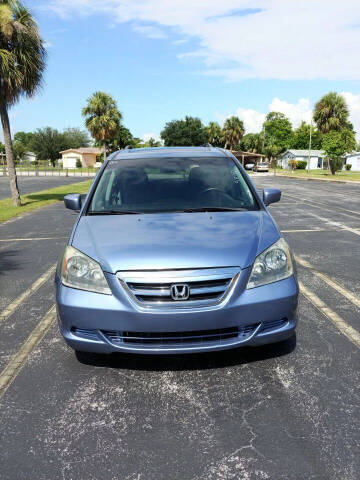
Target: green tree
24	138
187	132
278	127
151	143
47	143
2	153
214	134
232	132
19	150
348	137
75	138
102	118
21	144
253	142
123	139
271	150
301	137
22	62
336	144
331	113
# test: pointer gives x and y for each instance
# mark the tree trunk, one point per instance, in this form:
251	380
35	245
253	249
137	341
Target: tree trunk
15	195
104	150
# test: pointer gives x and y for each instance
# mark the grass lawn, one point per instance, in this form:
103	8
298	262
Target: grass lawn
35	200
325	174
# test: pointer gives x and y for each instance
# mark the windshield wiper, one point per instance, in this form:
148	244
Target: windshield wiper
212	209
114	212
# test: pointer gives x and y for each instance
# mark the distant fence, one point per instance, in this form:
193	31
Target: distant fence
50	172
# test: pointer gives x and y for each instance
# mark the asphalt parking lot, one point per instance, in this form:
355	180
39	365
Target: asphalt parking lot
267	413
35	184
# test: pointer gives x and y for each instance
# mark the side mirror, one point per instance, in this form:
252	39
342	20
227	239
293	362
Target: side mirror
73	201
271	195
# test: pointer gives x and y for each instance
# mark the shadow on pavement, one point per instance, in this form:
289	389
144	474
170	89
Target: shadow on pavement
8	261
194	361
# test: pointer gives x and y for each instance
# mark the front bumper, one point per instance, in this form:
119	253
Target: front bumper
98	323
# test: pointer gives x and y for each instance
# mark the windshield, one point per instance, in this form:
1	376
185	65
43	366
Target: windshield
144	185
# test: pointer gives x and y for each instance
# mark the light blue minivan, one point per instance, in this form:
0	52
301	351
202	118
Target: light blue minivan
174	251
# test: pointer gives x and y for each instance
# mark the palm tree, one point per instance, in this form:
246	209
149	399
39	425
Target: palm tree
22	63
214	134
331	113
102	118
232	132
153	143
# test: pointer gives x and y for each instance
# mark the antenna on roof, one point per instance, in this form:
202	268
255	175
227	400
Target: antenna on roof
127	147
207	145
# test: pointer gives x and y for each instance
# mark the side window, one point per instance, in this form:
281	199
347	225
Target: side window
242	191
103	193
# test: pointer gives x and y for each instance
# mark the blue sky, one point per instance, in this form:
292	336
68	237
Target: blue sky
164	60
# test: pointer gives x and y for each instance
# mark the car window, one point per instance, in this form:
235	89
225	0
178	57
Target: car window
171	184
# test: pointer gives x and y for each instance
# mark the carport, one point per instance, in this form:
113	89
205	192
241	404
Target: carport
247	157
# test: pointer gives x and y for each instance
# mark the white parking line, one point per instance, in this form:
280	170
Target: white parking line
9	310
346	329
18	360
29	239
323	206
343	291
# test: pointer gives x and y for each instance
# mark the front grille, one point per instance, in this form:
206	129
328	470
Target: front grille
153	289
154	339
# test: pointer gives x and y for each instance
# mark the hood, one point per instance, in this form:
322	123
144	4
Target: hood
175	240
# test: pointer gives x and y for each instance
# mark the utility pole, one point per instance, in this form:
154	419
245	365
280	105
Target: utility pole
308	165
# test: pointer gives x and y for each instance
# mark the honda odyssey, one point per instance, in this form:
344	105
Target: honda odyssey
174	251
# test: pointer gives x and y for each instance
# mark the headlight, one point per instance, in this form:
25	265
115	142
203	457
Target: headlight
272	265
82	272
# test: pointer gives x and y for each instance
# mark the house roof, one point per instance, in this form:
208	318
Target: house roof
94	150
351	154
240	153
305	153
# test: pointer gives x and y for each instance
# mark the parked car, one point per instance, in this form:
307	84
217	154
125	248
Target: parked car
261	167
249	166
174	251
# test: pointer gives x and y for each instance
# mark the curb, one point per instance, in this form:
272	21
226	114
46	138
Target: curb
351	182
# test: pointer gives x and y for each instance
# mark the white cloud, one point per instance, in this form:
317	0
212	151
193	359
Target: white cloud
296	112
149	31
246	39
252	119
146	137
353	102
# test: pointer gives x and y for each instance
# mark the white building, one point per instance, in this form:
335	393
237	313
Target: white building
353	159
29	157
317	158
86	155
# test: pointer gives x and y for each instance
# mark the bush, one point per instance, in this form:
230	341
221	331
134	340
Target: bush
78	163
293	164
348	167
301	164
336	165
